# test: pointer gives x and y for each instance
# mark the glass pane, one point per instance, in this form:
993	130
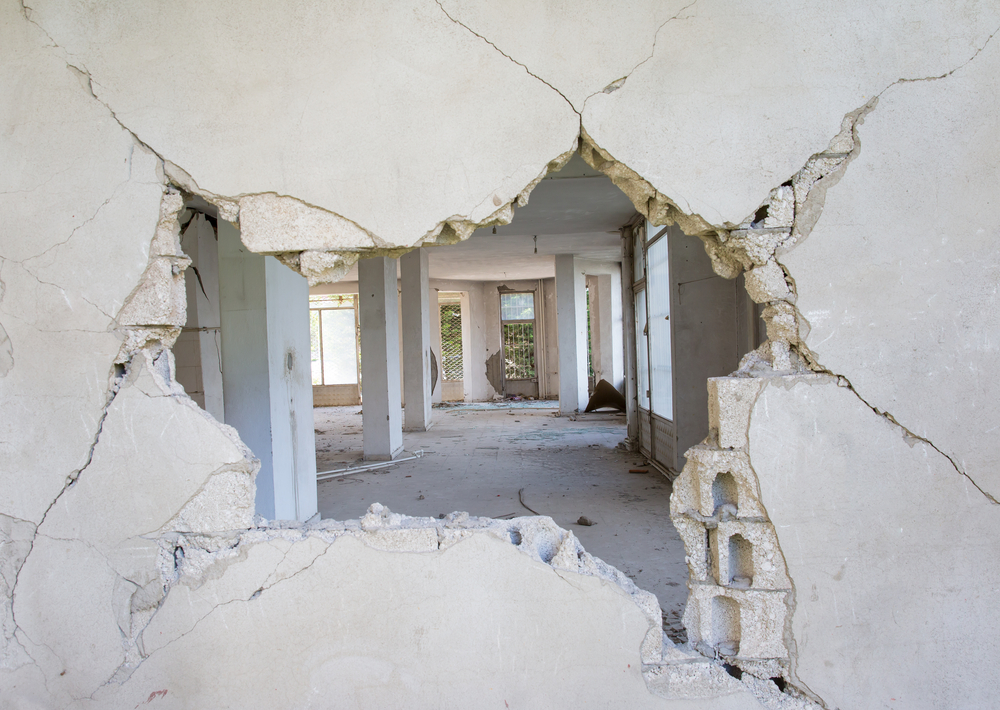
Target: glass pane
451	341
340	347
638	260
590	340
519	350
641	349
317	366
517	306
661	380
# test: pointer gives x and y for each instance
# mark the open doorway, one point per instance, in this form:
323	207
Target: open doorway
517	338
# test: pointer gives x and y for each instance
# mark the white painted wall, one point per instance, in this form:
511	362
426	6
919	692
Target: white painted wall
895	294
266	374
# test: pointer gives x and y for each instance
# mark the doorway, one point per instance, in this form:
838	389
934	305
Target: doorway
517	335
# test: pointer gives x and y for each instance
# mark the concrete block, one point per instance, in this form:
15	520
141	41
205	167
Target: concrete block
729	402
737	623
754	555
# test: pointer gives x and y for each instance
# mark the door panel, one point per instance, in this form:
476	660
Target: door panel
704	335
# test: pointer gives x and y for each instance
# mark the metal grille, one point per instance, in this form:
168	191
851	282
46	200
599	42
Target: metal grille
451	341
519	350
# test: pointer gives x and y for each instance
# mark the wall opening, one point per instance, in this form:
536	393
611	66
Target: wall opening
517	338
335	349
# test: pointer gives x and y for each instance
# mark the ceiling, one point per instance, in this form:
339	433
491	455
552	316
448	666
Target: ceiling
575	211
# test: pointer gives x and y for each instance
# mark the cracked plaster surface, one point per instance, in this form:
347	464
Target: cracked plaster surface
734	169
75	203
910	319
500	129
748	93
889	550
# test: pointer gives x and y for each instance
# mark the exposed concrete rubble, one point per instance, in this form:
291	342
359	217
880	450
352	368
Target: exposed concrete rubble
732	549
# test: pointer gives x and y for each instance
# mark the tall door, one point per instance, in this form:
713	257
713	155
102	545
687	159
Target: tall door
704	333
686	327
517	333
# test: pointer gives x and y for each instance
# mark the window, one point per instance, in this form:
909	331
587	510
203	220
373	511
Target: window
661	378
517	331
333	330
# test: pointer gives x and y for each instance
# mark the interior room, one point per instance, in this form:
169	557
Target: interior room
456	378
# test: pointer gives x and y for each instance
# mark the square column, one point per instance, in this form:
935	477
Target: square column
416	340
606	346
266	374
571	326
378	311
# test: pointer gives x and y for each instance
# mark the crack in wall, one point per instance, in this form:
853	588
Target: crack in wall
619	83
909	434
733	248
71	479
528	71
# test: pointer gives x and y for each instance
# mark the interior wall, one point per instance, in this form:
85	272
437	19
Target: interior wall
131	564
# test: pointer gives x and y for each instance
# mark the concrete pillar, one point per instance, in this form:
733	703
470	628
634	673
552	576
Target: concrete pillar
607	351
266	374
616	326
416	340
435	309
598	356
378	310
470	374
571	322
476	388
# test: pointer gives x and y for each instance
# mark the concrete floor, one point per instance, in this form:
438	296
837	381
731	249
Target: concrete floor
478	460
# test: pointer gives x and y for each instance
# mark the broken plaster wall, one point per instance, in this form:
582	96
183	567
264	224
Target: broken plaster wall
104	115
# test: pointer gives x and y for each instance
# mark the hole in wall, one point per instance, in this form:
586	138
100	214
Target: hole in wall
725	493
740	562
725	626
725	496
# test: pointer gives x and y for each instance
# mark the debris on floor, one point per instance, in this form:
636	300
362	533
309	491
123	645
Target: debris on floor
584	520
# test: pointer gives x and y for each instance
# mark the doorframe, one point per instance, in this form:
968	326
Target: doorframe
537	336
